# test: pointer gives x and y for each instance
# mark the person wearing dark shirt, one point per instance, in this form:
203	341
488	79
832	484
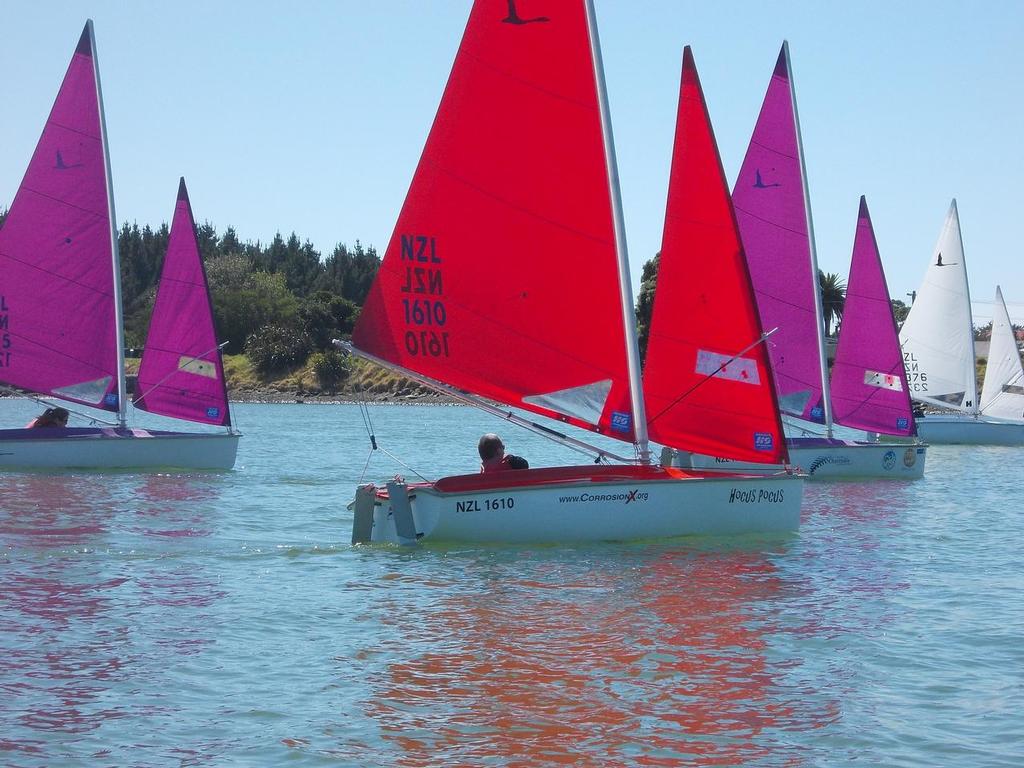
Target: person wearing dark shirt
493	457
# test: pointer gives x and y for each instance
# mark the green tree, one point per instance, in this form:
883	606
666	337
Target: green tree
833	296
645	302
899	311
245	300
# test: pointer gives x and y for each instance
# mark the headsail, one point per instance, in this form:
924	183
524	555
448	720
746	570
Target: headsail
181	374
57	302
707	383
938	337
1002	396
869	386
772	212
501	277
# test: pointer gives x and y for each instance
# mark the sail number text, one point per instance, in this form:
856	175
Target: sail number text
916	378
425	311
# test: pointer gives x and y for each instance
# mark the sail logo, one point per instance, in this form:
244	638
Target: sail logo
764	441
902	422
514	17
759	183
621	421
817	413
213	412
110	400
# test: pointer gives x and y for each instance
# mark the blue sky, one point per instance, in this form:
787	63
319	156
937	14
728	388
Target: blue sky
311	116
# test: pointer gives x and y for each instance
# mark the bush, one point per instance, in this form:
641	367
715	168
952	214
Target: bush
274	348
331	369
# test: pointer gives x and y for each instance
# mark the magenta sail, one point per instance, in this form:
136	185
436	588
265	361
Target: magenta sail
771	210
57	306
869	386
182	374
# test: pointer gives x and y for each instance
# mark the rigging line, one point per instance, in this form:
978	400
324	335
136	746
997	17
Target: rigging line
362	475
399	461
709	376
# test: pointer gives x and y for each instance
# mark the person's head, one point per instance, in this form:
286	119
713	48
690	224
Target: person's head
53	417
490	447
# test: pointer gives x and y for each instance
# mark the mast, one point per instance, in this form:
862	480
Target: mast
115	254
625	286
826	397
954	214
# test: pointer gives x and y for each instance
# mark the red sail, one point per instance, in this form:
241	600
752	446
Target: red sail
707	384
500	278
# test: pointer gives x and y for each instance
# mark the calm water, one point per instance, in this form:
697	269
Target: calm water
223	619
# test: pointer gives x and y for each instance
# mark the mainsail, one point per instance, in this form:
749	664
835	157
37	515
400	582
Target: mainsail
501	276
707	382
181	374
1002	396
58	319
868	385
774	220
938	337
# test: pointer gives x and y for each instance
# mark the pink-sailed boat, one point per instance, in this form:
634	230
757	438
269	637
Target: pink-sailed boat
773	210
60	307
514	199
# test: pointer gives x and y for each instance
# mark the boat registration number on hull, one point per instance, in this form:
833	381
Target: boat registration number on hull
485	505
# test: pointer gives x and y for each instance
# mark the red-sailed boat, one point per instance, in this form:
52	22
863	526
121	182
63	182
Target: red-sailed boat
506	281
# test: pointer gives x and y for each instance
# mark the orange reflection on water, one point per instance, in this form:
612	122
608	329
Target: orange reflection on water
650	665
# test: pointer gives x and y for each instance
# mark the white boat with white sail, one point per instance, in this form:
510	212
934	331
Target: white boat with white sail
938	351
506	283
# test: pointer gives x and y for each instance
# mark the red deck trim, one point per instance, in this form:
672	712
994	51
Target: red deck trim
521	478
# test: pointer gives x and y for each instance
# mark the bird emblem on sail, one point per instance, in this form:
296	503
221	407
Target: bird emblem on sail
938	262
62	166
514	18
759	183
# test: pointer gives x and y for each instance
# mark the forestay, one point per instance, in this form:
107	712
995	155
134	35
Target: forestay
868	384
938	337
501	276
57	300
707	383
181	374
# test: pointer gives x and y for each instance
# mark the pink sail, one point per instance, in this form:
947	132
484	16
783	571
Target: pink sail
772	215
182	374
869	386
57	305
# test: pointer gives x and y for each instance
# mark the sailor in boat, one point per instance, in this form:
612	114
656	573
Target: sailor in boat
51	417
493	457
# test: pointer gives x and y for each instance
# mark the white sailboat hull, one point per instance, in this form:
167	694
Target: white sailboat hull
557	505
964	429
824	459
89	448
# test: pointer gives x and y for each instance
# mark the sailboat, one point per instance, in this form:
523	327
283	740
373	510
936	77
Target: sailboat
938	351
773	210
60	296
506	284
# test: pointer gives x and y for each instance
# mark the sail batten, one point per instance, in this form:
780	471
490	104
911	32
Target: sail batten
500	277
707	381
868	386
58	295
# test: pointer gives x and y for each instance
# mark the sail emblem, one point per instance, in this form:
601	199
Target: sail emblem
514	18
759	183
63	166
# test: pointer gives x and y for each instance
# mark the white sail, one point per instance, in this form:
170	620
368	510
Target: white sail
938	338
1002	397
